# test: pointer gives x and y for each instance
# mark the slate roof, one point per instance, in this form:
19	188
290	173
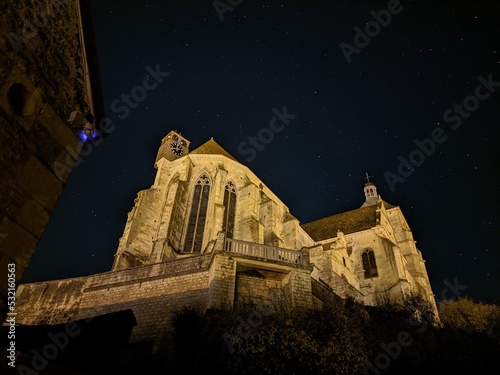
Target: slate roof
346	222
211	148
386	205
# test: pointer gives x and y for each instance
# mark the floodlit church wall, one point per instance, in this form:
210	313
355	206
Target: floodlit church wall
297	289
267	293
260	216
322	264
346	271
387	274
173	216
248	227
407	244
384	221
293	236
413	256
140	229
401	264
329	268
302	238
222	283
402	230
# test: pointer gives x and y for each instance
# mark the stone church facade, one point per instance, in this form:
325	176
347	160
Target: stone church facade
210	234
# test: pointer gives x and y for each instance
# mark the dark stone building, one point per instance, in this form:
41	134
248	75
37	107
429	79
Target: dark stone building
50	105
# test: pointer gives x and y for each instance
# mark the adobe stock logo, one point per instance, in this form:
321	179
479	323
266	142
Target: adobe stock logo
221	7
427	146
245	329
362	39
139	93
265	135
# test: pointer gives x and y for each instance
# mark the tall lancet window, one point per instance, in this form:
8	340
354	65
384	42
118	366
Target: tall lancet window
369	265
229	209
198	215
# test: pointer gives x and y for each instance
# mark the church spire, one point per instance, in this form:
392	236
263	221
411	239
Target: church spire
370	190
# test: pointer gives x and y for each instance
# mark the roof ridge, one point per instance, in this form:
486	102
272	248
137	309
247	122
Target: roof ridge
356	220
340	213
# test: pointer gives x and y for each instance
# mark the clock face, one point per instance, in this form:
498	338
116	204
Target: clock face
176	149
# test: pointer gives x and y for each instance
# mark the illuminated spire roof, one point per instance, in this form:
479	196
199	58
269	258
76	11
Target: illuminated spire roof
211	148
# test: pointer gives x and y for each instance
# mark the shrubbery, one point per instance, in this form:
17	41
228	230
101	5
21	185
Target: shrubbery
342	339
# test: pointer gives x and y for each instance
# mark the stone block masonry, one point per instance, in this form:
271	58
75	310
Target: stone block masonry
156	292
153	292
45	65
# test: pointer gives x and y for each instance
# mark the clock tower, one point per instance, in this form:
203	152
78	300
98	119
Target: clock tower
173	146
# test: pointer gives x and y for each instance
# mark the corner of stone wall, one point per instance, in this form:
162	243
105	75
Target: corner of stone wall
221	282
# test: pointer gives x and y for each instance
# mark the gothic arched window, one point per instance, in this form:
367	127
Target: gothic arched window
369	264
229	209
197	217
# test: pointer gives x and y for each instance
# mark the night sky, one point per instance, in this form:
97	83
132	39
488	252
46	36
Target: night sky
416	78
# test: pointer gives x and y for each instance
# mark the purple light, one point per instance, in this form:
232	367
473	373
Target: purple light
83	136
86	135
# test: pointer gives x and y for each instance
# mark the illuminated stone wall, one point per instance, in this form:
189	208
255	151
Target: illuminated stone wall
155	292
156	225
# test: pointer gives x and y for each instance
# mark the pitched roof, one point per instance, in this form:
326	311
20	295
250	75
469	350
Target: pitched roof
386	205
212	148
347	222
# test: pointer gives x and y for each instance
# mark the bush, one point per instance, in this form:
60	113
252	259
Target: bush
339	339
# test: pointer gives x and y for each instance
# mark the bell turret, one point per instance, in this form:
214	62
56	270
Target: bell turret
371	196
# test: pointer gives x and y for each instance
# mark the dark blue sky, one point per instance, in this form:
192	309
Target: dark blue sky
225	77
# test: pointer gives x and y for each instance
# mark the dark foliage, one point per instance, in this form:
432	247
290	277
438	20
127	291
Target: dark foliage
344	339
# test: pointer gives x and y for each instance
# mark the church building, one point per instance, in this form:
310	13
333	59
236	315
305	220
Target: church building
209	233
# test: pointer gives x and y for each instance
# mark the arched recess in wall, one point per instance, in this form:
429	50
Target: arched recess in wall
21	100
197	214
229	209
369	263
